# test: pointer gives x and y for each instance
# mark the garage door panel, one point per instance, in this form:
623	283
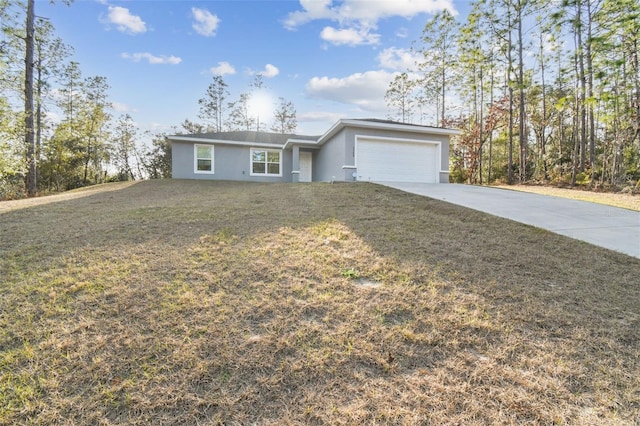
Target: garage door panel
396	161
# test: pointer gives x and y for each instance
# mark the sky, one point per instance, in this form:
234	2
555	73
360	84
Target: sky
331	58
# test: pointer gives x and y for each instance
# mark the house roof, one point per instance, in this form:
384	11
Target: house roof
380	121
248	136
280	140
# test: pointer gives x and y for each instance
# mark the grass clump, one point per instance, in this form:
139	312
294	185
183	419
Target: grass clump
183	302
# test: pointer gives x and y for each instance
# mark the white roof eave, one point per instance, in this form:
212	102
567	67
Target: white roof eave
307	143
223	142
340	124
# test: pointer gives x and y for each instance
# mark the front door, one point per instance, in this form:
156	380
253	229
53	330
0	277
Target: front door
305	166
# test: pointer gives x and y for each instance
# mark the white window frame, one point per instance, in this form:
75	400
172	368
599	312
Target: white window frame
195	159
266	163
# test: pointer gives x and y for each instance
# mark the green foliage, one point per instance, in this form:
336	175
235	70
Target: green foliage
124	147
439	52
583	178
11	162
458	175
401	97
631	162
157	160
350	273
240	118
571	113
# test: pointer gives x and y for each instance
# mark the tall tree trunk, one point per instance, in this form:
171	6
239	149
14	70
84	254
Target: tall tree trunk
491	133
444	83
521	108
509	71
31	182
591	117
583	88
576	149
543	133
576	134
38	112
481	123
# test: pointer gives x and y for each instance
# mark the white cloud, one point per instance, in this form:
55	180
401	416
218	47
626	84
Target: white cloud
223	68
349	36
152	59
125	21
269	71
402	33
120	107
368	12
205	23
319	116
312	9
158	127
317	122
365	90
398	59
356	18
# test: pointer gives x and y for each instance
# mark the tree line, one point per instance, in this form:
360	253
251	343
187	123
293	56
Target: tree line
84	144
57	128
551	91
219	114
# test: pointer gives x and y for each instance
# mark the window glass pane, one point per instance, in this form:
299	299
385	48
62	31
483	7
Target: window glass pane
204	152
258	156
274	168
273	157
204	165
258	168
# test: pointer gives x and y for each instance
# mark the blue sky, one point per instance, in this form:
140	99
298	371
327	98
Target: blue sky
332	59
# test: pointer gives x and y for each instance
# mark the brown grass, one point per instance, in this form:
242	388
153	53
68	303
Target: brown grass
625	201
184	302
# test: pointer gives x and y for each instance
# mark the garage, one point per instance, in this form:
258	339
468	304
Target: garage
396	160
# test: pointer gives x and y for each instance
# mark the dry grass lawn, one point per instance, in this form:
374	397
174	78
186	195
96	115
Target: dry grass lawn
184	302
625	201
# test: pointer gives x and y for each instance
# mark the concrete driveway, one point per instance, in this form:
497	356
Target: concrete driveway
609	227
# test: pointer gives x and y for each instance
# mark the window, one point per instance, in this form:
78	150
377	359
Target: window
203	159
266	162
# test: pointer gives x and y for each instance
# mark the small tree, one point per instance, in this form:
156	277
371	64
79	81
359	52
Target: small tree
240	117
400	98
157	160
191	127
212	105
124	143
439	53
285	120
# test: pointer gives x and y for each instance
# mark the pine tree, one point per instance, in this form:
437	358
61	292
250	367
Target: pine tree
400	98
285	120
212	104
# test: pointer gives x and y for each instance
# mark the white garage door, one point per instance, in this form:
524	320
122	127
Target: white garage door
396	161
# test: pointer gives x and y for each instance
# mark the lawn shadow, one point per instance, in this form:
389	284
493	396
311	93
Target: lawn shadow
563	313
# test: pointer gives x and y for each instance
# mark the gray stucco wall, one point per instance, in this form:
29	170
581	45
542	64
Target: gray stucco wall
230	163
339	151
331	158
